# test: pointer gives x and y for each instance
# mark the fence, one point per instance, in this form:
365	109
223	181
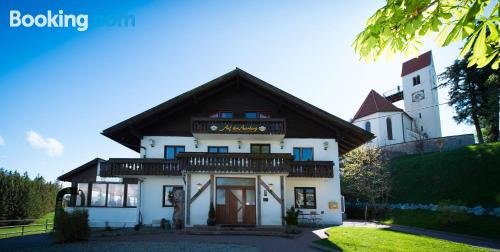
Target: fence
24	229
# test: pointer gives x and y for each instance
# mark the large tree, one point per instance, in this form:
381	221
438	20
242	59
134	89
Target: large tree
474	94
366	175
400	25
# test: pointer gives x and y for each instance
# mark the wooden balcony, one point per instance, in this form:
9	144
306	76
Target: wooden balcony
243	126
217	163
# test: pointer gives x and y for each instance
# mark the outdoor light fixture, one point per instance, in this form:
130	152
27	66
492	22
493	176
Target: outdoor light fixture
152	143
239	144
196	142
270	187
282	144
325	145
199	186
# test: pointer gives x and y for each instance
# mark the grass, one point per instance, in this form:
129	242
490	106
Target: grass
373	239
30	230
484	226
465	176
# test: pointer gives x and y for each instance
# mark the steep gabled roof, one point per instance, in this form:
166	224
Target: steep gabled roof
417	63
69	175
349	135
374	103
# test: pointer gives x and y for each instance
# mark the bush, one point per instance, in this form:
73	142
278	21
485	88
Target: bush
291	217
73	226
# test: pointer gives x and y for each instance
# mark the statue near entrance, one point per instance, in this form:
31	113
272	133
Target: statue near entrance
178	216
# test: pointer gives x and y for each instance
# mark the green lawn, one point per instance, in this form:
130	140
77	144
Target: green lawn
31	230
484	226
372	239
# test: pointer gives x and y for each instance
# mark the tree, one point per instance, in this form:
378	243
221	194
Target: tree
366	174
400	25
473	93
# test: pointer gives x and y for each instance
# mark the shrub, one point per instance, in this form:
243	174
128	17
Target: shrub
291	217
72	226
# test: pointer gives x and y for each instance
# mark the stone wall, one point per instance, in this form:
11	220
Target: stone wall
428	145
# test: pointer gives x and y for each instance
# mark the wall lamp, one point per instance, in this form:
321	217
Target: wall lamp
152	143
239	144
270	187
325	145
282	144
199	185
196	143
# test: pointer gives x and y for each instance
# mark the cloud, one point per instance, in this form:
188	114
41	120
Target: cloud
2	141
50	145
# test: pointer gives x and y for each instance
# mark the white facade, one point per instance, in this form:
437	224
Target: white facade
402	127
421	101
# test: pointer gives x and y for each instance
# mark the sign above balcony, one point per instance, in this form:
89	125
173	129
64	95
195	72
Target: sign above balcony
238	128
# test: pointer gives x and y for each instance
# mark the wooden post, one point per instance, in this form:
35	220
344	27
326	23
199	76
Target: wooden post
46	226
22	229
188	198
282	189
259	203
212	185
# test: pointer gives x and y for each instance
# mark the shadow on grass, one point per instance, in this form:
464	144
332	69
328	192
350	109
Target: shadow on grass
329	244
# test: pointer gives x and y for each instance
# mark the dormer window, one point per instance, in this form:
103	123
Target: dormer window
220	114
256	114
368	126
416	80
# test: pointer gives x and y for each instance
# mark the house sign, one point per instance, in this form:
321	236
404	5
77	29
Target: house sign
237	128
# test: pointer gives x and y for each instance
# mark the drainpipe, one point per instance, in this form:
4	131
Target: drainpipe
403	125
139	207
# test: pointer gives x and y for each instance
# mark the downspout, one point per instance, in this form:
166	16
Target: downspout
139	217
403	125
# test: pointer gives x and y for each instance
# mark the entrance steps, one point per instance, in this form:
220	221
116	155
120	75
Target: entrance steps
237	230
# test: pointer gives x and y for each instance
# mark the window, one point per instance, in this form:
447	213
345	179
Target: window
171	151
305	197
132	195
169	194
81	197
98	194
217	149
260	148
416	80
116	194
368	126
254	114
389	128
220	114
303	154
107	195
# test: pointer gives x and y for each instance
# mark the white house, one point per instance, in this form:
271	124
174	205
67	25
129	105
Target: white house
420	118
237	142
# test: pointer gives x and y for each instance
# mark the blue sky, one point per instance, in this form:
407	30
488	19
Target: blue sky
59	88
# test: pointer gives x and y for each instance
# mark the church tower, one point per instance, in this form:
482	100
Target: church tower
421	95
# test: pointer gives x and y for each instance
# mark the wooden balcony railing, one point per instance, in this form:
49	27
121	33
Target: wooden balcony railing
217	163
139	166
235	162
269	126
314	169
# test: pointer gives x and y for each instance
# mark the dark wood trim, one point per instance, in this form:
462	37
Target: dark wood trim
199	192
259	202
271	192
212	189
188	196
282	193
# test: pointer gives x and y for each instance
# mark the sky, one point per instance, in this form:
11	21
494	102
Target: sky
59	88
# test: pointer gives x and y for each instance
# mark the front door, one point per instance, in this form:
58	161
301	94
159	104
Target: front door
235	201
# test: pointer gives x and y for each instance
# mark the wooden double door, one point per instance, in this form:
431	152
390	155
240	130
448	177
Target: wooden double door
235	205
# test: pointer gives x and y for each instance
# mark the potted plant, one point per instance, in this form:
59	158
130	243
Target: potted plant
291	220
211	215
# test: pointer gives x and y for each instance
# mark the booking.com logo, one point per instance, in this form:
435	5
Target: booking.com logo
62	20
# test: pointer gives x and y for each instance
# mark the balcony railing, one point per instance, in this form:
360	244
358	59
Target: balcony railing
268	126
217	163
235	162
